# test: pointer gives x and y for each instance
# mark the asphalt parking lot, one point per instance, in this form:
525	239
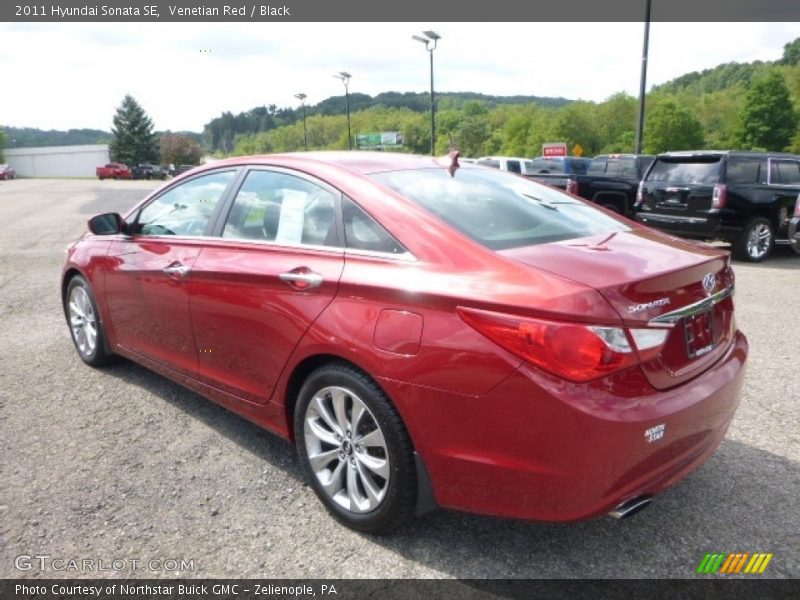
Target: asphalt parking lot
121	463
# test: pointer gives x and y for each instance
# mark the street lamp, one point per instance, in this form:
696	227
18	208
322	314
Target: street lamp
302	98
643	81
345	77
430	40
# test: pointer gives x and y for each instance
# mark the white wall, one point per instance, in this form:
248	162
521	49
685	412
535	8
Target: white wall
57	161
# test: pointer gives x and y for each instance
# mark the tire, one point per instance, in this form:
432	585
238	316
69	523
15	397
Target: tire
100	178
370	487
85	327
756	240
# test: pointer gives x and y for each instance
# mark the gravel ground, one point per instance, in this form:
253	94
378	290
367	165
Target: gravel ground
121	463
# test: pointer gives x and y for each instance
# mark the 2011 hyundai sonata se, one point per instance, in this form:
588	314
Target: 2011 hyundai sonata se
427	335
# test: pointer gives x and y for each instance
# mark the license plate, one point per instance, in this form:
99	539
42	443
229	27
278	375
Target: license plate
699	334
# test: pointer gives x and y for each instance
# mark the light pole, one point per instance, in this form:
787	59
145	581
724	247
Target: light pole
302	98
643	81
345	77
430	40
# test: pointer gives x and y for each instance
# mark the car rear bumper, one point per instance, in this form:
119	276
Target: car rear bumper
706	227
539	448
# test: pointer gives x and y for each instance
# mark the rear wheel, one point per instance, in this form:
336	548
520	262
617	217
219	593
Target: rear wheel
756	240
84	323
354	449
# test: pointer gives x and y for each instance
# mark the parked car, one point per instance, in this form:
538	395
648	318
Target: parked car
556	171
505	163
7	172
426	335
794	227
114	170
745	198
180	169
148	171
612	181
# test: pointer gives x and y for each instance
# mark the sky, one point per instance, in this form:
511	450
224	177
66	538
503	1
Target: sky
75	75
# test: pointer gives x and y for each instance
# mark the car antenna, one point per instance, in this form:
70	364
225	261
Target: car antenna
454	154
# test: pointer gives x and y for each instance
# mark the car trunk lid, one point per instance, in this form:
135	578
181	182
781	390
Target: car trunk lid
653	281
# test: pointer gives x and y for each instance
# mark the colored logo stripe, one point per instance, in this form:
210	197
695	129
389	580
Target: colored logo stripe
733	563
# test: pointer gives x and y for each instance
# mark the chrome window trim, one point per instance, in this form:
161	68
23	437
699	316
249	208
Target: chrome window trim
404	257
669	319
338	250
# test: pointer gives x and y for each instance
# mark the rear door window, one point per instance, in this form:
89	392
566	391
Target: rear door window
686	170
278	207
744	170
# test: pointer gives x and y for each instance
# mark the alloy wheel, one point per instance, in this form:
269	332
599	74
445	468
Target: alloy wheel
82	321
758	240
346	449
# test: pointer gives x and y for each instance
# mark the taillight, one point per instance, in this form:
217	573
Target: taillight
719	197
573	351
797	207
572	186
640	193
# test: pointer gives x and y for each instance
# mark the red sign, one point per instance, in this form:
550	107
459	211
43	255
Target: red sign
555	149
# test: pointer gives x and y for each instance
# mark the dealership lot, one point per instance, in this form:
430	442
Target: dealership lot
122	464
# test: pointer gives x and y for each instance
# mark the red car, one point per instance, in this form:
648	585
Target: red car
114	171
427	335
7	172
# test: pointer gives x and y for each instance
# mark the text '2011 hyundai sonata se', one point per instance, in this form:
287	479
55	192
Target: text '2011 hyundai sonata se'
427	335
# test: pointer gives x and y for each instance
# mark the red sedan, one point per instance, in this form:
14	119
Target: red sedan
427	335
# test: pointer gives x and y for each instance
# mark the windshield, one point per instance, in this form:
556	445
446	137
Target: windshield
686	170
499	210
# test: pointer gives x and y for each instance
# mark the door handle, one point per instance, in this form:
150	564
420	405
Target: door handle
176	270
302	280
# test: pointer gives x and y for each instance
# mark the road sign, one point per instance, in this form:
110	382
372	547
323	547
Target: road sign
554	149
385	139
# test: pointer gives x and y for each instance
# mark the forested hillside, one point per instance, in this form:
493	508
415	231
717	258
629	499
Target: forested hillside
754	105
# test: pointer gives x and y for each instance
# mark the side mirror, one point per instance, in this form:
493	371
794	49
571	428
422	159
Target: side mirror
107	224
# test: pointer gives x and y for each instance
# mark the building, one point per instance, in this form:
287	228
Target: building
57	161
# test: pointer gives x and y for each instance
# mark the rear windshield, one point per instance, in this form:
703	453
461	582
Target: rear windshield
686	170
499	210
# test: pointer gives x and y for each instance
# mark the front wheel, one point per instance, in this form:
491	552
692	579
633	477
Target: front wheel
354	449
756	240
85	326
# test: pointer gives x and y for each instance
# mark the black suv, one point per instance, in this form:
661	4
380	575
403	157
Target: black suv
745	198
146	171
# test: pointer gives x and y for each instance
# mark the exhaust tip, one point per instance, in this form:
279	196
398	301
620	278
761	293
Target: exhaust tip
631	507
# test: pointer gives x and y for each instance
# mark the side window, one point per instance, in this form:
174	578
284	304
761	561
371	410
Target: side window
743	170
362	232
282	208
514	166
788	172
185	209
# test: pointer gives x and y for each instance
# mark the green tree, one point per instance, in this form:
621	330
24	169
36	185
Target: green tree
2	143
179	149
768	119
133	139
791	53
670	126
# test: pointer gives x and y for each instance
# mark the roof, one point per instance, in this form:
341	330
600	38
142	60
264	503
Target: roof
355	161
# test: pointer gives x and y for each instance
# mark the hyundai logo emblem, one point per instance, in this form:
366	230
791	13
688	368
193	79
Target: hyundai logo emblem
709	283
